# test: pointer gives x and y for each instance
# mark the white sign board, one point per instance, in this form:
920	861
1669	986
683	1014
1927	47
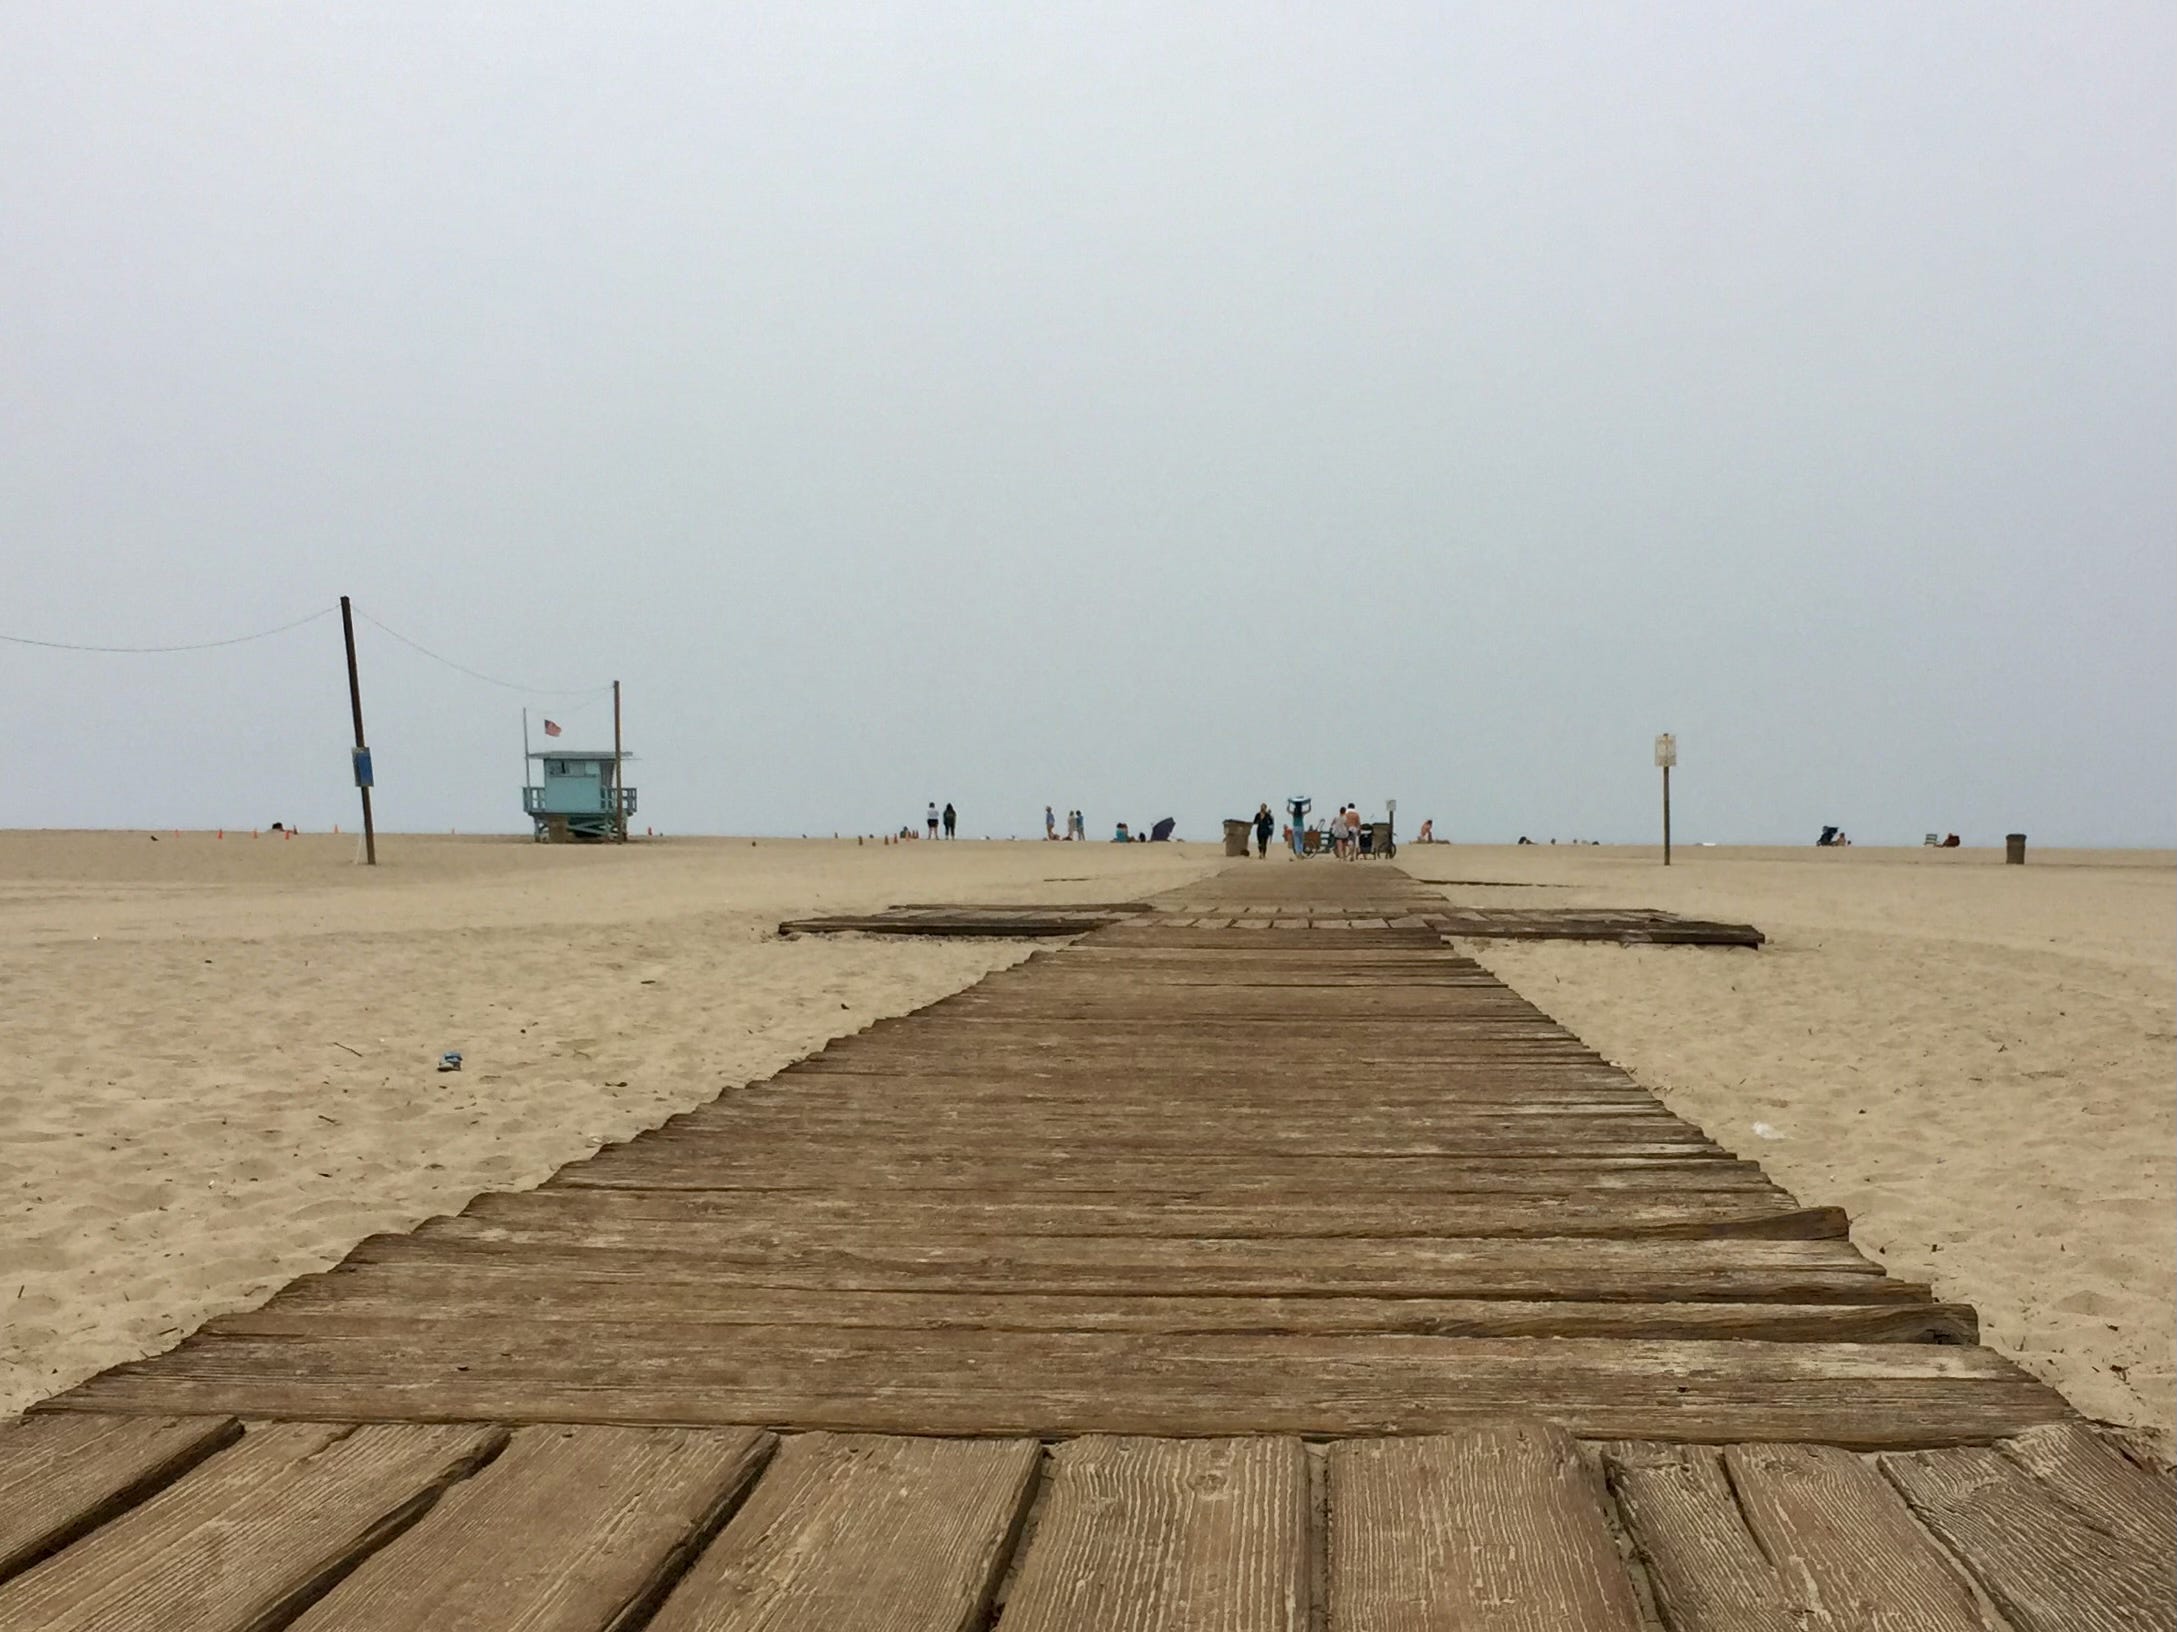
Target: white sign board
1666	750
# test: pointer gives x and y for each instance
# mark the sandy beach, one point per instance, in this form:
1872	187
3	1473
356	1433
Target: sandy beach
219	1060
219	1066
1973	1059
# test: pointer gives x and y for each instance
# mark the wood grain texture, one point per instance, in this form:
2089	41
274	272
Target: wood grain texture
1843	1541
568	1530
1707	1571
1150	1535
63	1476
610	1217
1501	1529
490	1302
857	1534
248	1536
2085	1469
2051	1562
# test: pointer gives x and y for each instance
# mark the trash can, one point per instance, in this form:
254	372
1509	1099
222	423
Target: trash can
1379	840
2014	849
1236	837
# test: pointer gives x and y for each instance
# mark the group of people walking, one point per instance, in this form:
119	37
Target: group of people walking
1343	837
1076	825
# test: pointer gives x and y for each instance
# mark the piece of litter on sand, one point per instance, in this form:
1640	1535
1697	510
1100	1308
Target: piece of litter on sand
1762	1130
450	1060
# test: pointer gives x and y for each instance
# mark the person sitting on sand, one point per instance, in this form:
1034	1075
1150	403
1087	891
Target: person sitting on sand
1427	835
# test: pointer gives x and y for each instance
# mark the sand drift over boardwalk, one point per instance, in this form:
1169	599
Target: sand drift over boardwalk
217	1056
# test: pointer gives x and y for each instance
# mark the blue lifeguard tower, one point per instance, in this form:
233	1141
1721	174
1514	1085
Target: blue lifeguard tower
578	795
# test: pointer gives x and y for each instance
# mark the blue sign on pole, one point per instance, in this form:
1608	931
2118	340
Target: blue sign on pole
361	756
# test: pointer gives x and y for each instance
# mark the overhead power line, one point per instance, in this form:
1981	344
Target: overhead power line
188	646
478	674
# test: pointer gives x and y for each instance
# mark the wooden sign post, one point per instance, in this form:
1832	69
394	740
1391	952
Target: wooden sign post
1666	755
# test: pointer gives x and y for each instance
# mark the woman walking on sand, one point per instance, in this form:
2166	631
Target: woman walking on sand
1265	825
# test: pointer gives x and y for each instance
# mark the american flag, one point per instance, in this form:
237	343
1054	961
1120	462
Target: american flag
551	728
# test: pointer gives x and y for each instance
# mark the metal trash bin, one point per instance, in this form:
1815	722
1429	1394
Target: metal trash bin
1379	840
2014	849
1236	837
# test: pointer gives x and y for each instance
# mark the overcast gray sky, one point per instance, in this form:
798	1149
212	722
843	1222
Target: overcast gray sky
1151	408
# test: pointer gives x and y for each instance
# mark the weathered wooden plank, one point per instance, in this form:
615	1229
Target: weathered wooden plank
856	1534
608	1217
569	1530
2051	1564
1648	1271
250	1535
1159	1535
1841	1538
1359	1128
928	1140
1877	1395
700	1163
2092	1475
62	1477
1498	1529
1706	1570
377	1302
981	928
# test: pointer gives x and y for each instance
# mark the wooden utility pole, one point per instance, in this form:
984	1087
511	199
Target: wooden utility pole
363	776
619	799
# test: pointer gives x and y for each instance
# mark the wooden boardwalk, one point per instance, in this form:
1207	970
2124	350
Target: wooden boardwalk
1198	1274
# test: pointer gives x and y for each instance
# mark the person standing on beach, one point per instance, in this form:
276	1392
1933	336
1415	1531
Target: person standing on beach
1353	832
1265	825
933	818
1050	824
952	819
